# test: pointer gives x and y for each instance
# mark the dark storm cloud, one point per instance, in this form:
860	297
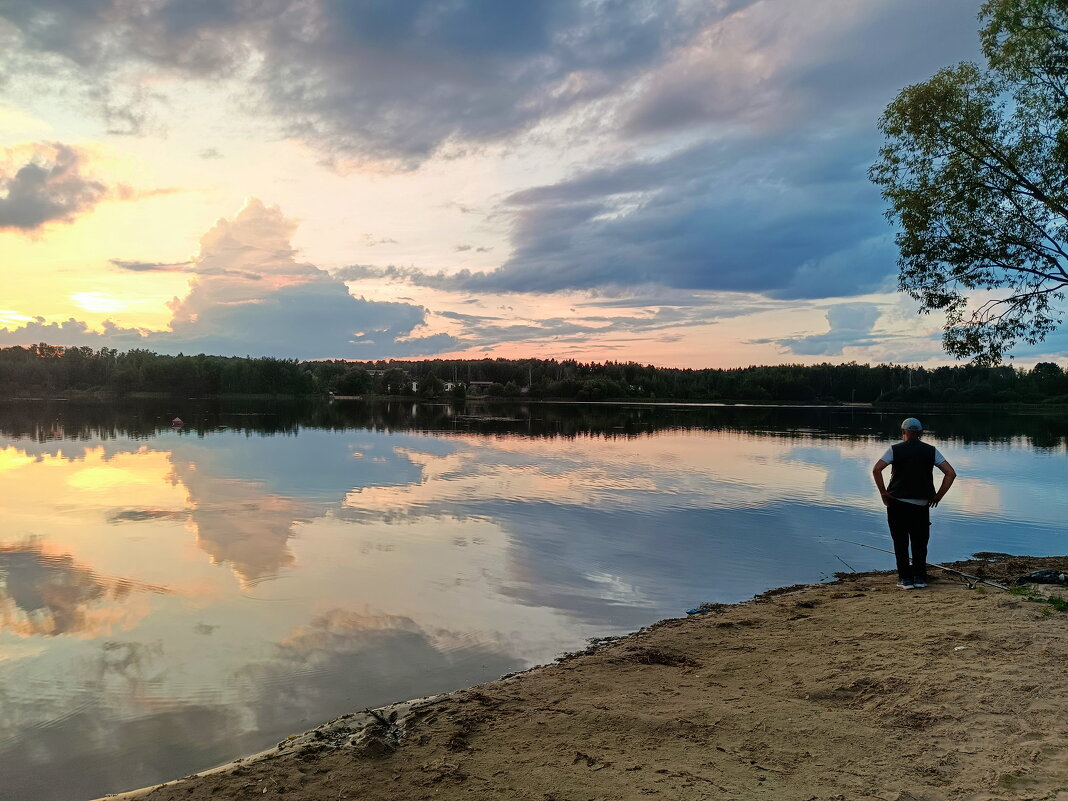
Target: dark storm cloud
796	224
710	217
773	197
386	78
48	187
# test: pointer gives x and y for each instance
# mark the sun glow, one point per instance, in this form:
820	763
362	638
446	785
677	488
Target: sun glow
13	318
98	302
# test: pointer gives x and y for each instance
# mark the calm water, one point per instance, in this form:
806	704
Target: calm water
170	600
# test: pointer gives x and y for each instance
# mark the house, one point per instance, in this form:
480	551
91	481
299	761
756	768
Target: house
446	386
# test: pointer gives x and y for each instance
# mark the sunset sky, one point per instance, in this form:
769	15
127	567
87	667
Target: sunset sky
676	182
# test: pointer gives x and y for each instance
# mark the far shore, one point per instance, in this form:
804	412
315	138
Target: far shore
892	406
847	691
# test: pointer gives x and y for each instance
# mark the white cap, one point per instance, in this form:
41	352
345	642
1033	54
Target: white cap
911	424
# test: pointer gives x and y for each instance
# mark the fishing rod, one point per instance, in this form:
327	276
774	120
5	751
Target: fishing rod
972	580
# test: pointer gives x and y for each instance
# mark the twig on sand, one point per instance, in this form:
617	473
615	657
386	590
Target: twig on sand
377	716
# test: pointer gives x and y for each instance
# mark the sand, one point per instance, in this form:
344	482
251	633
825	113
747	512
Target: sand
853	690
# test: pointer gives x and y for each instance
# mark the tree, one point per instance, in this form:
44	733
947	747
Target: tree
395	382
430	386
354	381
975	168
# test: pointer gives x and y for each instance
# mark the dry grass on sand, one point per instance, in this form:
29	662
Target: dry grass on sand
851	691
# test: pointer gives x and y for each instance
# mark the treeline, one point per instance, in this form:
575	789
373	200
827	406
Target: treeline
49	370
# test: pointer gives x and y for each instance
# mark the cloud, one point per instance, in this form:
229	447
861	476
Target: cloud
75	332
488	330
152	266
779	104
791	223
47	186
386	80
718	147
250	295
780	65
771	195
850	324
369	240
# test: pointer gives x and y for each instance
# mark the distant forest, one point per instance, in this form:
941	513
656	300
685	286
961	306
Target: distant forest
51	370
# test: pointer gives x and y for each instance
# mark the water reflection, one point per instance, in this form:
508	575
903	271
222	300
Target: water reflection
345	659
147	419
171	599
48	594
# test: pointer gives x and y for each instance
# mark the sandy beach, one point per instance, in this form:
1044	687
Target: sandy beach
853	690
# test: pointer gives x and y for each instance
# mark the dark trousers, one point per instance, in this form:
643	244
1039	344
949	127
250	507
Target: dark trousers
910	525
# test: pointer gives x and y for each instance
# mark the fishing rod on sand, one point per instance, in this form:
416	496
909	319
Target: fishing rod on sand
969	579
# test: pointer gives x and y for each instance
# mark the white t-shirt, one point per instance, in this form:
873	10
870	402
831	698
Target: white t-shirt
888	457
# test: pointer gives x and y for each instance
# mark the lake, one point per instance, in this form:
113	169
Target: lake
173	598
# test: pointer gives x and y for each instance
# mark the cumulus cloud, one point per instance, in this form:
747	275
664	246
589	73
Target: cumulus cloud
394	80
45	183
250	295
850	325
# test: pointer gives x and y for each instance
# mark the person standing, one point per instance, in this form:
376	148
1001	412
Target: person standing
909	499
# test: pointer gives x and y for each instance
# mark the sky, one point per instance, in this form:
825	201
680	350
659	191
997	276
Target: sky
676	182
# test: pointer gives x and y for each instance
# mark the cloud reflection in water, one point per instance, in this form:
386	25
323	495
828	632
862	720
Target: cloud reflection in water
47	594
413	561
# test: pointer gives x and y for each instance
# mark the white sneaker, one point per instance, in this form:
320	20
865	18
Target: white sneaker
906	585
920	584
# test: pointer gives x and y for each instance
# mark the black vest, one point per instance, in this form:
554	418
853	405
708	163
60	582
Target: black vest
911	471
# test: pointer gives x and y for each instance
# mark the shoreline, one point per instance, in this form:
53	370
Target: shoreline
107	396
803	692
